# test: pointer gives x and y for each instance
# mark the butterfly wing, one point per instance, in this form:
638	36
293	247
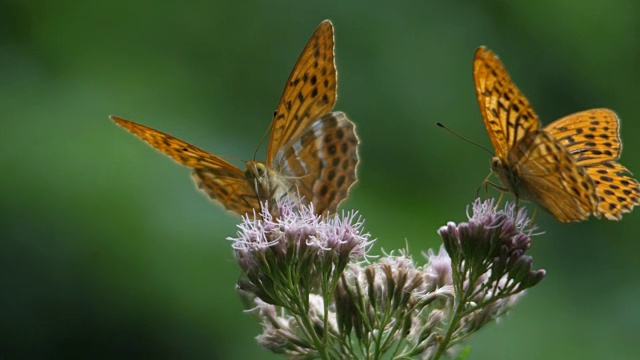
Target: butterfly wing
234	193
551	178
220	180
309	93
322	161
593	139
591	136
508	115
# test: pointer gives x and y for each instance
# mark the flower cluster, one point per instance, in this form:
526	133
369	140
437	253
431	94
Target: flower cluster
489	267
296	248
309	282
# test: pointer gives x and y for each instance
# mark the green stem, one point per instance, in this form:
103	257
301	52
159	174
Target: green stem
459	304
307	326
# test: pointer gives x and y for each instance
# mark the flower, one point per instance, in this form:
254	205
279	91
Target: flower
298	247
490	270
493	243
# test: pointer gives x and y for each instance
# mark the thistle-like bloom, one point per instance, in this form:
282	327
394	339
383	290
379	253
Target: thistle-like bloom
395	300
492	244
317	298
489	267
296	253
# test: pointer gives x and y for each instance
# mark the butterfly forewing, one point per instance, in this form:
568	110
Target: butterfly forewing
181	151
507	114
322	160
309	93
220	180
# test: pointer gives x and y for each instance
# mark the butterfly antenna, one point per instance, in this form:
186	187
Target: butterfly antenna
465	139
232	158
264	136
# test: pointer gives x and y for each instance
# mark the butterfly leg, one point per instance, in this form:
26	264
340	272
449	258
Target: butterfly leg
500	198
486	183
496	186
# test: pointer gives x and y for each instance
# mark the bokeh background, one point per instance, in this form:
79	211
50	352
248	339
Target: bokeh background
107	250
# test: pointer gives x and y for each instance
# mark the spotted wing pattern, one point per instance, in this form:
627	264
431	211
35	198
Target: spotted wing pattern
219	179
311	152
569	167
235	194
593	139
309	93
550	177
322	161
507	114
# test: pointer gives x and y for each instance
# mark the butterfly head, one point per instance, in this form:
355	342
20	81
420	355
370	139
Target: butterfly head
255	170
496	165
265	182
257	175
508	177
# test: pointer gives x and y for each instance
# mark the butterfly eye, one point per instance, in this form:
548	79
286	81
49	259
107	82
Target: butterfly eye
260	170
495	163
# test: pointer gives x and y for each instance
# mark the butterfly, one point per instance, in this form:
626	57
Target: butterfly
312	152
568	167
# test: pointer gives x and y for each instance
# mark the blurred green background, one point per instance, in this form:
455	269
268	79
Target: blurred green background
108	250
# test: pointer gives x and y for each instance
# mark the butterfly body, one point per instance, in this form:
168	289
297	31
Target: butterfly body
568	167
266	182
312	152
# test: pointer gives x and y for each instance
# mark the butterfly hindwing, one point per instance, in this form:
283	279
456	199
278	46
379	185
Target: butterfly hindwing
617	192
591	136
322	161
234	193
551	178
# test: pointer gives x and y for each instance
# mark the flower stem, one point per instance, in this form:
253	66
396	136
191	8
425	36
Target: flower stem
459	304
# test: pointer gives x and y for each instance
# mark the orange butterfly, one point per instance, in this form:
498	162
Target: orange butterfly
312	152
568	167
